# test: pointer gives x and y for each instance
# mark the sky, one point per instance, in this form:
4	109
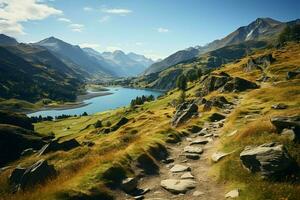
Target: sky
154	28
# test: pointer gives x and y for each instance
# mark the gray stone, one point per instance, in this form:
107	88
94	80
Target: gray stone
217	156
184	112
192	156
129	184
178	186
180	168
193	150
279	106
35	174
198	193
203	132
199	141
233	194
187	175
270	159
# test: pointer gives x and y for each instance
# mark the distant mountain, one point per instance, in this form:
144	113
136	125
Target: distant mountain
122	64
262	29
7	41
31	73
76	55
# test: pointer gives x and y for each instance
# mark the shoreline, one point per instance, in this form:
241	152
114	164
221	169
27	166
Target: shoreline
72	105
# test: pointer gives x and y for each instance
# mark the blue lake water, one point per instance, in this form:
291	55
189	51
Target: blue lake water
120	97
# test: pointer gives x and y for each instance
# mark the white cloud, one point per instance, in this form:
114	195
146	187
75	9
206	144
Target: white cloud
162	30
87	8
62	19
117	11
104	19
76	27
14	12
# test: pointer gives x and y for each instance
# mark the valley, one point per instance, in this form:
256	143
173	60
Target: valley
220	121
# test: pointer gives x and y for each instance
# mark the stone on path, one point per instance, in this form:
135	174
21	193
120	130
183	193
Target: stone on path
217	156
180	168
190	149
187	175
199	141
233	194
129	184
198	193
192	156
178	186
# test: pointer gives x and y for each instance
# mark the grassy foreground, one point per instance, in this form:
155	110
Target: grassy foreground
83	170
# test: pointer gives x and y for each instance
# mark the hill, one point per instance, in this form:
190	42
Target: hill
262	29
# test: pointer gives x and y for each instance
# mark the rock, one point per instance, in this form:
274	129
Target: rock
270	159
259	63
213	83
217	156
129	184
187	175
192	156
120	123
290	134
216	117
193	150
279	106
194	129
219	101
38	173
168	160
292	74
199	141
178	186
173	138
239	85
184	112
180	168
203	132
198	193
28	152
56	146
207	106
140	197
291	122
233	194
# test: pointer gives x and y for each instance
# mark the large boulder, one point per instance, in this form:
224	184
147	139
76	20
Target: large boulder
14	140
129	184
56	146
260	62
37	173
239	85
184	112
292	74
270	159
290	122
213	83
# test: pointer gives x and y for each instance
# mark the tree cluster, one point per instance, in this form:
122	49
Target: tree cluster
141	100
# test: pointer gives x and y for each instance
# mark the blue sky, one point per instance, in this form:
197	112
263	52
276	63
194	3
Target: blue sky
155	28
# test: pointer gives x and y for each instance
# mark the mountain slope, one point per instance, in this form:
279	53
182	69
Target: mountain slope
7	41
76	55
34	80
261	29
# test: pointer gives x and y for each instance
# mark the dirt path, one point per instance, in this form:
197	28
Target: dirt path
206	186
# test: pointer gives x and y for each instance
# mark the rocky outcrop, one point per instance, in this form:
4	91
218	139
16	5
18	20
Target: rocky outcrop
17	119
24	178
14	140
129	184
259	63
213	83
291	122
184	112
270	159
216	117
238	85
292	74
56	146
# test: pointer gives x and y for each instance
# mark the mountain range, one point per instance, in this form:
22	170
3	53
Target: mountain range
262	29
